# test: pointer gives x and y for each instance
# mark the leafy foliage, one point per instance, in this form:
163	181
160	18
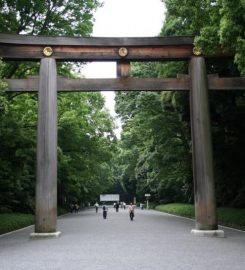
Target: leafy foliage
50	17
155	148
85	152
14	221
154	154
227	216
186	210
85	149
217	25
85	129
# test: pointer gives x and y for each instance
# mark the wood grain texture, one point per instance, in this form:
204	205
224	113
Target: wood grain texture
103	53
126	84
216	83
95	41
203	173
175	48
86	85
123	69
46	184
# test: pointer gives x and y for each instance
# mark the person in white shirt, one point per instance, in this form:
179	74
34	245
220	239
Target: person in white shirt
96	207
131	211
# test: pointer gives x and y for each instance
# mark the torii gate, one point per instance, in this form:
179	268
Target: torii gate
123	51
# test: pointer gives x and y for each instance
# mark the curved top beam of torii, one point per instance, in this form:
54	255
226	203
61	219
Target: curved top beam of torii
95	41
24	47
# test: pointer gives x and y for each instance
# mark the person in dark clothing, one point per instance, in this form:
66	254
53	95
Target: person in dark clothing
104	211
117	206
76	208
131	211
71	207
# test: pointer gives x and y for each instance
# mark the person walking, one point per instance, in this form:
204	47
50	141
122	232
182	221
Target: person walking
117	206
124	205
105	209
71	206
76	207
96	205
131	211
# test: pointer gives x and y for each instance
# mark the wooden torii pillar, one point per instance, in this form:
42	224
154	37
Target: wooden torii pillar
123	51
202	154
46	179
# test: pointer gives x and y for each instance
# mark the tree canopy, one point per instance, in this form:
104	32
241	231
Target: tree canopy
85	128
216	24
155	149
154	153
52	17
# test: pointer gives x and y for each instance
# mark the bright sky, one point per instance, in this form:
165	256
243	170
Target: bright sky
123	18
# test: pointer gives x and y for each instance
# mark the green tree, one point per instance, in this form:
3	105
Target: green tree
86	139
52	17
85	152
218	25
17	155
155	145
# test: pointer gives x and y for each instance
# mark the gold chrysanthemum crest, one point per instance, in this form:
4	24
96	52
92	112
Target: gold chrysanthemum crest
197	51
123	52
47	51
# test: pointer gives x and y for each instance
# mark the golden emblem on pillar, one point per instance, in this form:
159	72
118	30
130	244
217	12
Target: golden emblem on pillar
197	51
47	51
123	52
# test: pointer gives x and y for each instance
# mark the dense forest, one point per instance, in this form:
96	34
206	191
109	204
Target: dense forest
155	149
86	141
154	153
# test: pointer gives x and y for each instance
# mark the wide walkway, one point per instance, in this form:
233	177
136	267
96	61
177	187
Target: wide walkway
153	241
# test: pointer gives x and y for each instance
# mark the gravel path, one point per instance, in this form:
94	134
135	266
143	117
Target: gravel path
153	241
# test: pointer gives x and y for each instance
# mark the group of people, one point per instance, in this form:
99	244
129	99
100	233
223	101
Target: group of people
74	207
131	208
117	205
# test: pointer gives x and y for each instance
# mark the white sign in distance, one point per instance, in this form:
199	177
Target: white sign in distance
109	198
147	195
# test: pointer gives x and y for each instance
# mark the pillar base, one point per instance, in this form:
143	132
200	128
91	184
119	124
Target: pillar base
45	235
208	233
